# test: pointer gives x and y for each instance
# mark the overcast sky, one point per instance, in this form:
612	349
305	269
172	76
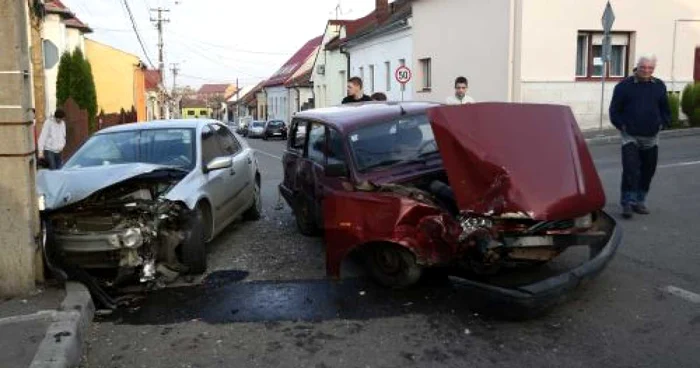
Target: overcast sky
216	40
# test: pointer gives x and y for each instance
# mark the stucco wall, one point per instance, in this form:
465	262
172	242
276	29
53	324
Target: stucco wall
55	31
377	51
466	37
113	71
277	98
330	86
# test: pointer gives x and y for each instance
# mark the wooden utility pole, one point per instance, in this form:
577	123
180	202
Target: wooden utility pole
18	203
158	22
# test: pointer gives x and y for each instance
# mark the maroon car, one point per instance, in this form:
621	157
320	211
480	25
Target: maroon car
483	187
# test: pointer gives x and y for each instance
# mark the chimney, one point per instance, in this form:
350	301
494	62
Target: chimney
381	10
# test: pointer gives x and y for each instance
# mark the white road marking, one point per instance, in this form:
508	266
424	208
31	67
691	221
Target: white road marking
681	293
680	164
268	154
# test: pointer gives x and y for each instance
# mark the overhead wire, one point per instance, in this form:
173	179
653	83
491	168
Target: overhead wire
136	31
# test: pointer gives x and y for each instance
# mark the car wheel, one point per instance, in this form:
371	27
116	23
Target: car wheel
305	222
393	266
193	252
265	137
254	213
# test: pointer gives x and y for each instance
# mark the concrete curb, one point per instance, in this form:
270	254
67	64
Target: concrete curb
62	346
613	139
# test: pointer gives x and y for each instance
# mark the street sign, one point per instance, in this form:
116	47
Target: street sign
403	74
608	18
607	47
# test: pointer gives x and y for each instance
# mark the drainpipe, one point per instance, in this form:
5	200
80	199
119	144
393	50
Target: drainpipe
296	88
347	56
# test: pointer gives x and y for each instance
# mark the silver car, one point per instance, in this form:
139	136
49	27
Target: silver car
144	198
256	129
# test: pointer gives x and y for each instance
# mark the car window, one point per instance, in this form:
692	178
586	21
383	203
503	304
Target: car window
336	151
211	148
317	143
228	143
298	135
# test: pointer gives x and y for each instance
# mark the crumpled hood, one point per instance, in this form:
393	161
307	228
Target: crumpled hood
524	159
64	187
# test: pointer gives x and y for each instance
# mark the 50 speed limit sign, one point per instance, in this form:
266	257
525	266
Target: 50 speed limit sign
403	74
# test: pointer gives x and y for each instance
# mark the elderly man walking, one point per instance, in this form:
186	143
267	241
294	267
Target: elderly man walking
639	109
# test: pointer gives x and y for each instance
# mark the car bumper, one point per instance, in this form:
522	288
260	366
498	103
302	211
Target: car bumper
522	300
95	250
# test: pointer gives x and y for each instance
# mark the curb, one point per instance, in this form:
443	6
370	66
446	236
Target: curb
599	141
62	346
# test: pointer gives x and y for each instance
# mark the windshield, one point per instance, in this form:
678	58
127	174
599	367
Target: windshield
390	143
258	124
172	147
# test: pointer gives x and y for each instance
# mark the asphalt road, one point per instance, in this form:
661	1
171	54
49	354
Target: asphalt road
266	303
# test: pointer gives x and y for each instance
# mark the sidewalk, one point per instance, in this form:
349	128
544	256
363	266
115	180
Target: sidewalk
612	136
45	329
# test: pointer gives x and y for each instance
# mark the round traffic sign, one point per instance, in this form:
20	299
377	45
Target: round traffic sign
403	74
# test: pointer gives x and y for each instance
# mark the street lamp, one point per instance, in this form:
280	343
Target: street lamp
673	53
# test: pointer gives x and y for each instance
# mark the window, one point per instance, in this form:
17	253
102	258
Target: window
190	113
589	55
211	148
317	143
387	69
203	112
426	73
371	78
298	134
336	149
228	142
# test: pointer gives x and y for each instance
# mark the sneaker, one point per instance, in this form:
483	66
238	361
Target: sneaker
640	209
627	211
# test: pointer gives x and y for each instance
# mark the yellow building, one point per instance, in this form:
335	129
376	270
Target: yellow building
195	109
119	79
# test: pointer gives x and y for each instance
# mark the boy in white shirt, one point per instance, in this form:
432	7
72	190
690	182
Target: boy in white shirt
52	139
460	97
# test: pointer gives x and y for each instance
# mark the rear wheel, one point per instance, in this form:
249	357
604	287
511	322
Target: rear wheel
393	266
254	213
193	252
265	137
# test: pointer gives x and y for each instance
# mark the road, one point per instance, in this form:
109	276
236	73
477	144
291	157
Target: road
266	302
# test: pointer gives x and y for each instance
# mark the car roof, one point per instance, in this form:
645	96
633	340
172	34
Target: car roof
349	117
159	124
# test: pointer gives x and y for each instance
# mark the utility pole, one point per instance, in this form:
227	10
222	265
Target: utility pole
175	70
19	220
158	22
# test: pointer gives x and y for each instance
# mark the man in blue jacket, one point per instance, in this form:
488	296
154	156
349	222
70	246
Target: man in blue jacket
639	109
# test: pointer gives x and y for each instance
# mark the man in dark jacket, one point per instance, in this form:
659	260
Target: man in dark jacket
639	109
355	93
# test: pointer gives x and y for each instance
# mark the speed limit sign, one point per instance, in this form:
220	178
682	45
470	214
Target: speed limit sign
403	74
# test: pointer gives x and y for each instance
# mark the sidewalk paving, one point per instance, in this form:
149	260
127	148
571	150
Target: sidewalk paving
45	329
612	136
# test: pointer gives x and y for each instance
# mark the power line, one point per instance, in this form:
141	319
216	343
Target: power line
229	48
138	36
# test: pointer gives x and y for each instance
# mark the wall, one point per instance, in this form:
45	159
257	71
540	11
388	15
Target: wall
277	99
55	31
140	94
74	39
330	86
378	50
113	71
475	43
549	48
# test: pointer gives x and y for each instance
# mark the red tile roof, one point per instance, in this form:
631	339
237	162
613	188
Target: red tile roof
71	20
368	23
302	80
56	6
152	79
76	23
294	63
213	88
192	103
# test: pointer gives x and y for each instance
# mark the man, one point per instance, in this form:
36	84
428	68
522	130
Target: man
639	109
52	139
355	93
379	96
460	97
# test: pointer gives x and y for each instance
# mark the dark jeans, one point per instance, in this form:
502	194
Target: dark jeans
53	159
638	168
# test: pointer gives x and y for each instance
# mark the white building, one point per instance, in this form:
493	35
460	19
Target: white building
548	51
61	31
376	52
330	70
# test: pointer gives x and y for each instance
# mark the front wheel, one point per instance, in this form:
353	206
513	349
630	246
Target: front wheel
193	251
254	213
393	266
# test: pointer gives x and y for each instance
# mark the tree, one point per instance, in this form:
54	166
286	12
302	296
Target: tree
63	79
687	101
75	80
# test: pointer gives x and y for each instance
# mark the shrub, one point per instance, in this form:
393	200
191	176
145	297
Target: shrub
687	100
63	83
674	103
695	117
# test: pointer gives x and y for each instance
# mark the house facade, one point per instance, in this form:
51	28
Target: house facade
548	52
330	70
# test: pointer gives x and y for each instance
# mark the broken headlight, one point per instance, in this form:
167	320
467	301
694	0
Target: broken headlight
41	202
132	238
583	222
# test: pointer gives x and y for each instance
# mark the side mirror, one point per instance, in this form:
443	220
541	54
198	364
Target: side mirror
336	170
218	163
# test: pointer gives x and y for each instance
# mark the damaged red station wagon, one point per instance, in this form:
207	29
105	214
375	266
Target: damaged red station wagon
484	187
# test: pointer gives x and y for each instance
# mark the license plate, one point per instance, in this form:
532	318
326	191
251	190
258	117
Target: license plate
278	133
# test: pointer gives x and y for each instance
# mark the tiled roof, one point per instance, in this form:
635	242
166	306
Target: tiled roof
294	63
76	23
192	103
152	79
251	95
399	9
214	88
56	6
71	20
302	80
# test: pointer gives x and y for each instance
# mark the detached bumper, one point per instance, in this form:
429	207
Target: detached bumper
99	249
541	294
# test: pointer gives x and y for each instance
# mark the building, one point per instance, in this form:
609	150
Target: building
548	51
216	91
153	84
281	99
236	106
61	32
119	79
195	109
380	47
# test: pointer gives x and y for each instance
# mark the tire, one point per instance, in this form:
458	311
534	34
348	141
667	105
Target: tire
193	251
305	222
393	266
254	213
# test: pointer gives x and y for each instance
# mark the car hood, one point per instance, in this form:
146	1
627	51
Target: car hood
61	188
517	160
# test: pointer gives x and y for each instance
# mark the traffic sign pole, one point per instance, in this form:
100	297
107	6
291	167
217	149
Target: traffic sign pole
403	75
606	49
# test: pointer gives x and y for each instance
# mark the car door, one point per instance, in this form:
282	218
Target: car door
311	176
242	180
219	183
291	160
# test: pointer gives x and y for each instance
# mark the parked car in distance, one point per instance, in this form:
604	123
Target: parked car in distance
137	197
480	188
242	125
256	129
275	128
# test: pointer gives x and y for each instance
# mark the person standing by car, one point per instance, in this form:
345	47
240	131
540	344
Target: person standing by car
379	96
460	97
639	109
355	93
52	139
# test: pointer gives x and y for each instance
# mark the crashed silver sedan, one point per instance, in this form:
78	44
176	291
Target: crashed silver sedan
141	200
